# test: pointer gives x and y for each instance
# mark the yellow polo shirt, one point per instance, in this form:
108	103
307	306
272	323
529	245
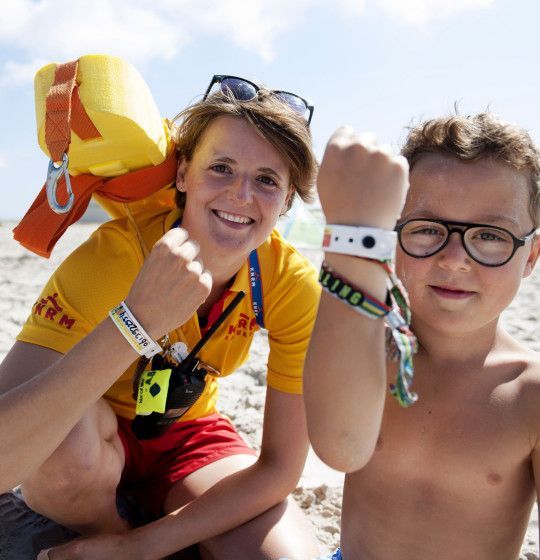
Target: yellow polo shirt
99	274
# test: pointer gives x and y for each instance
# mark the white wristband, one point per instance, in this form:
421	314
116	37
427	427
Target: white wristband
369	242
126	323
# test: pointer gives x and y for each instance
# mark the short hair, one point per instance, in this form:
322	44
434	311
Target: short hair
286	130
473	138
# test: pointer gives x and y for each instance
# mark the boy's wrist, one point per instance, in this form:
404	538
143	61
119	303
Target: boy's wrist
370	275
360	217
360	241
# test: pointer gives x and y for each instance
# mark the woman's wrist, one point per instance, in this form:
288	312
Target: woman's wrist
150	321
133	331
137	544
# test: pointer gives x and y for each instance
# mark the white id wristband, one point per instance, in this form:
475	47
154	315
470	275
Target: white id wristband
126	323
368	242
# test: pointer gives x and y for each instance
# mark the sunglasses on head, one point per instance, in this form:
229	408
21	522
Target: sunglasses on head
244	90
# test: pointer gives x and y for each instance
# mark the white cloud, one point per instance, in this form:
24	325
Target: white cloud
352	7
141	31
4	163
253	25
19	73
138	30
420	12
62	28
59	30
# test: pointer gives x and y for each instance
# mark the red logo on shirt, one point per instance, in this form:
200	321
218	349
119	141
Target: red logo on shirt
244	327
50	309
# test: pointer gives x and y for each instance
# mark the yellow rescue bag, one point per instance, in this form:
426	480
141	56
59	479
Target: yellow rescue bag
99	125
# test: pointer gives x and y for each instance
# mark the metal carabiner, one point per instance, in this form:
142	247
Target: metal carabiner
53	174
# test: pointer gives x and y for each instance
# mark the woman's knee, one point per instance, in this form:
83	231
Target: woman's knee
91	456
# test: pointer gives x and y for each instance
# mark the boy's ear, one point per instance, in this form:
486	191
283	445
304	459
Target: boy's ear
180	174
534	253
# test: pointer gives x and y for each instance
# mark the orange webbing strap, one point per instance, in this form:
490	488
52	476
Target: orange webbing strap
41	228
64	112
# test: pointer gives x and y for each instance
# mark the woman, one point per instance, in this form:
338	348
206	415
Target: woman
244	153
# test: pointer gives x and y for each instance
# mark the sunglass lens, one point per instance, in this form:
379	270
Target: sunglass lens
239	89
296	103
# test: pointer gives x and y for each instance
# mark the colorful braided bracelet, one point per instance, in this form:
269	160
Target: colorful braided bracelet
396	313
359	300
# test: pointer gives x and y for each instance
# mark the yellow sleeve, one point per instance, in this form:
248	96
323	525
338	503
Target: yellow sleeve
290	311
80	293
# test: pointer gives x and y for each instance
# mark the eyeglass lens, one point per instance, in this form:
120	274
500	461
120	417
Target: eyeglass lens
487	245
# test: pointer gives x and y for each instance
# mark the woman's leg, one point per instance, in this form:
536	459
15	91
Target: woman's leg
281	532
76	485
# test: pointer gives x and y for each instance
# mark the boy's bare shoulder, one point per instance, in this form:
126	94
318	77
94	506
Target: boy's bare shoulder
513	351
521	365
526	360
529	360
528	382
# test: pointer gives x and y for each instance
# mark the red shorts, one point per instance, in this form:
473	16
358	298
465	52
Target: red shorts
153	466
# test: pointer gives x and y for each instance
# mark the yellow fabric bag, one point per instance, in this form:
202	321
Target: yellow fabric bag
120	105
99	125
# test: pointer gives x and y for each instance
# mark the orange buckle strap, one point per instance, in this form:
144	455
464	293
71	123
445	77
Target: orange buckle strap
64	112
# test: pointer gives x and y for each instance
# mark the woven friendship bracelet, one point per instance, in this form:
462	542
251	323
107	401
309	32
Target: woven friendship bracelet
359	300
132	331
401	344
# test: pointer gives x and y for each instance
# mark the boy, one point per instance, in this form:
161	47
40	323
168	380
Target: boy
453	476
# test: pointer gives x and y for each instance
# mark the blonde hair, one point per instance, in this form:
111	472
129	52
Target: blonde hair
274	120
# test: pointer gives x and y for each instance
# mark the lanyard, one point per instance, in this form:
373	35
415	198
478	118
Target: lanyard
255	285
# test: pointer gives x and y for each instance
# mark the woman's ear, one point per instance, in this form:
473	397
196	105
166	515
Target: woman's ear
287	203
180	175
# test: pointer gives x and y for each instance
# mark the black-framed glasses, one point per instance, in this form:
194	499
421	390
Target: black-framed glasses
244	90
485	244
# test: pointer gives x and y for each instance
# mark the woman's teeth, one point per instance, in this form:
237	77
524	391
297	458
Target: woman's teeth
234	217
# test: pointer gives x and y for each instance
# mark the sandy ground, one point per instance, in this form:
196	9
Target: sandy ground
22	275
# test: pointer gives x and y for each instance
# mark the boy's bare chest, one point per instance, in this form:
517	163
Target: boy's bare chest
460	437
452	466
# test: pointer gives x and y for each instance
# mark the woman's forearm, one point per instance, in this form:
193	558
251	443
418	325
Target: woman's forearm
231	502
37	414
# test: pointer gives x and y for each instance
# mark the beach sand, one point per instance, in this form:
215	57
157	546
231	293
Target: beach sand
22	275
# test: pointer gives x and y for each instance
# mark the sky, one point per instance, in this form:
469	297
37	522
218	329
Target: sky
378	65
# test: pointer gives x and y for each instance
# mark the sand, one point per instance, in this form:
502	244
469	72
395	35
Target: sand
22	275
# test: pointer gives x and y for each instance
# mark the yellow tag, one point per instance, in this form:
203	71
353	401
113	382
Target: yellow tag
153	390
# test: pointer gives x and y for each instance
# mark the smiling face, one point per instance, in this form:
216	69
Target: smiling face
449	290
236	186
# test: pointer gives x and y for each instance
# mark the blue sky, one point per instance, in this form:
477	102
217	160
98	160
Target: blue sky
374	64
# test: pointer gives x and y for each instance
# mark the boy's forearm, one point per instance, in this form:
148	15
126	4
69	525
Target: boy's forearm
360	184
231	502
345	372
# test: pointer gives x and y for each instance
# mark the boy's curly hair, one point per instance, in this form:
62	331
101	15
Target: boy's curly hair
482	136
